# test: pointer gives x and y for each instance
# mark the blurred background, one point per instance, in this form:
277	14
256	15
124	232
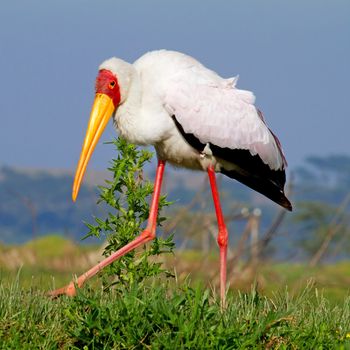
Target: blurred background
294	56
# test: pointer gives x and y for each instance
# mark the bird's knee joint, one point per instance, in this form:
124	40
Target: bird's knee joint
148	234
222	239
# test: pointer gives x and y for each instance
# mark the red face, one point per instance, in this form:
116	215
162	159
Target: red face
107	83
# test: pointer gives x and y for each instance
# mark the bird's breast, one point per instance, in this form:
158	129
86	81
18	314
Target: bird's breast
178	152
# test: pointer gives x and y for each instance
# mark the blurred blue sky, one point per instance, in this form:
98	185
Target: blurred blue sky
295	57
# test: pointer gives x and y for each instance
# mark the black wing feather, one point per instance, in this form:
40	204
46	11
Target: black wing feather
249	170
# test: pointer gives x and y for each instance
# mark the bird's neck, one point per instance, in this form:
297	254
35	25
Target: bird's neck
127	113
133	101
141	118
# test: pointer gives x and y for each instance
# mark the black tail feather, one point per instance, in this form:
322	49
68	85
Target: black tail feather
254	173
262	185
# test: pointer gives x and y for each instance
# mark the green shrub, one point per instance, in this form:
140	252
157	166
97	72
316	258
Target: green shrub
127	196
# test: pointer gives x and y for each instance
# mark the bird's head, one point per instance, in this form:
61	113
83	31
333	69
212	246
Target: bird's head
112	83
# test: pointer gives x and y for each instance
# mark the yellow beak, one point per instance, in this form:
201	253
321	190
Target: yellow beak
101	112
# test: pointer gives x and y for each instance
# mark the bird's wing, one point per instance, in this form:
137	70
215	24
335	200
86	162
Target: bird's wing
217	112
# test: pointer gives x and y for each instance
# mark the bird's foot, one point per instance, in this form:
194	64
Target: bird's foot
68	290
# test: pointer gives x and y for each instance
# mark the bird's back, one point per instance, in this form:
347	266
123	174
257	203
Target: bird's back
209	110
163	65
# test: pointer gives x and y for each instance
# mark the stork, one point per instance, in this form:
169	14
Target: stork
194	119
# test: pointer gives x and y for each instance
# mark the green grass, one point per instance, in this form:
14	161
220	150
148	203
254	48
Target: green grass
175	314
160	316
332	279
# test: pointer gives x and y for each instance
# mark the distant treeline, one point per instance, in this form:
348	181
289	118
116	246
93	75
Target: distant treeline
34	203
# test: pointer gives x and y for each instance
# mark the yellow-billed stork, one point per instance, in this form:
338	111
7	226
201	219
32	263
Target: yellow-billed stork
195	119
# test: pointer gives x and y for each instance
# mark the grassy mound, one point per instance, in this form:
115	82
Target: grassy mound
51	246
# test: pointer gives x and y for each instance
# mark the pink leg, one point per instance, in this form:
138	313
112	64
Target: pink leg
222	235
147	235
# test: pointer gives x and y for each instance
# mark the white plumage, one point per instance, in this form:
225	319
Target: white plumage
163	83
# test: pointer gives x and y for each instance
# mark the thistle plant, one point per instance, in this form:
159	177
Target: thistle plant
127	196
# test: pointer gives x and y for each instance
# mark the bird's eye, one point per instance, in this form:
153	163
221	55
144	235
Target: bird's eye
112	84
